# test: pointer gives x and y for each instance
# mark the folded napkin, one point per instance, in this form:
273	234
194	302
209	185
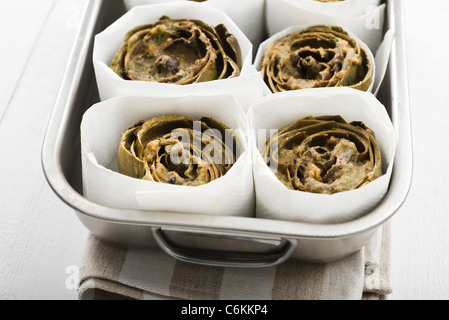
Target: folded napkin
110	273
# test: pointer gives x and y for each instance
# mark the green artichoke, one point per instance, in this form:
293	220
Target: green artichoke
319	56
177	150
324	155
178	51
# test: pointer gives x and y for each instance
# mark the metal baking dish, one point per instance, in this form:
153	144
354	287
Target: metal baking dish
212	240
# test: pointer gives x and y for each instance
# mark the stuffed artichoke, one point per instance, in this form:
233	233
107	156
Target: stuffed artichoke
324	155
178	51
177	150
319	56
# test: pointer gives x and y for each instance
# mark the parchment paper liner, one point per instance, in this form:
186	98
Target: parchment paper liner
379	61
105	122
245	88
248	15
364	18
273	199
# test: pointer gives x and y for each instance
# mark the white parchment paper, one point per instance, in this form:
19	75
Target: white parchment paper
364	18
245	88
273	199
382	59
102	127
249	15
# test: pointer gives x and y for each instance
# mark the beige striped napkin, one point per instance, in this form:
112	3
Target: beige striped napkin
108	272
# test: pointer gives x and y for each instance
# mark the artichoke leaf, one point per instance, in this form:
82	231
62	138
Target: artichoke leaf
230	45
128	163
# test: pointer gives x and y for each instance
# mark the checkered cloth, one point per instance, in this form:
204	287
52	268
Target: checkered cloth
108	272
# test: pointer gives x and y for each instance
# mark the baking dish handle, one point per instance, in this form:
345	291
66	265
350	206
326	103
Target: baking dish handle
225	258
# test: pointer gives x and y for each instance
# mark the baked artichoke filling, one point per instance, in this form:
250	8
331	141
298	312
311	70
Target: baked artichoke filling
320	56
178	51
177	150
324	155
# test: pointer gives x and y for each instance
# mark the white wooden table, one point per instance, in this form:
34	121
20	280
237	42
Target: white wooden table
41	240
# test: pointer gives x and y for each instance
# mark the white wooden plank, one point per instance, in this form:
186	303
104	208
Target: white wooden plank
420	247
39	235
21	23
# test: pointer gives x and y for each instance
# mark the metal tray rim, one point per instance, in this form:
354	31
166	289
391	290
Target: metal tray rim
235	225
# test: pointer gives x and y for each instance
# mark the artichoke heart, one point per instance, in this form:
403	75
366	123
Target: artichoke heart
178	150
319	56
324	155
178	51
